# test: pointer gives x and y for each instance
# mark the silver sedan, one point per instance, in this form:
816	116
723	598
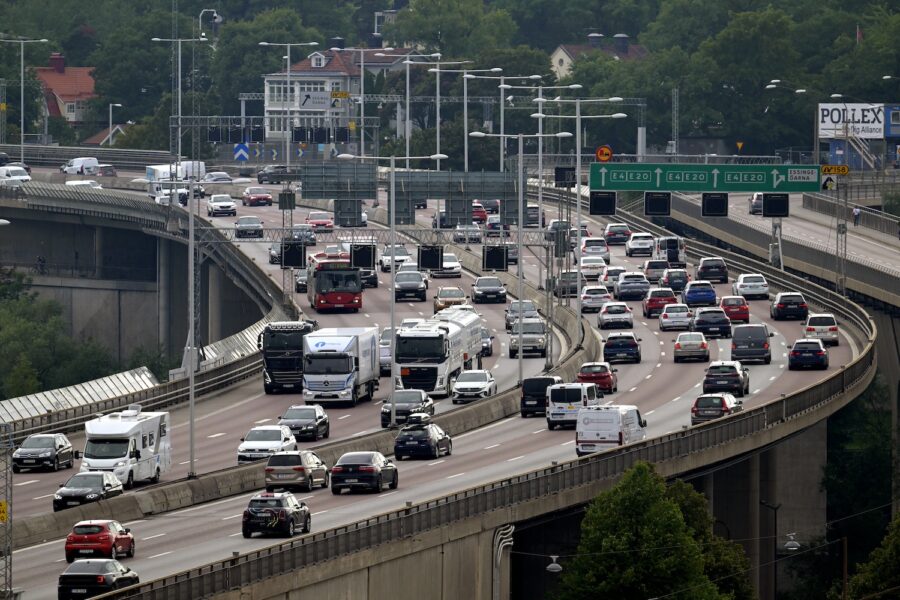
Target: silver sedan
675	316
615	314
691	345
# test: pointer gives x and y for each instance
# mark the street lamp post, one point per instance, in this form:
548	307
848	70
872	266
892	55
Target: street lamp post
362	90
437	102
578	117
520	222
393	245
22	42
110	131
407	130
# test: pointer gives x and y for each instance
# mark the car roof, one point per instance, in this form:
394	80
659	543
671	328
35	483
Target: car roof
816	340
725	363
620	334
678	304
268	427
822	315
267	495
94	522
595	364
484	371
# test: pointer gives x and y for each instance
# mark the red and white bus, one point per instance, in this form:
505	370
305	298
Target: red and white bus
332	284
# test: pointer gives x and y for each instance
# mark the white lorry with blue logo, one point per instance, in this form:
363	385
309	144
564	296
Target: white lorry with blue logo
340	364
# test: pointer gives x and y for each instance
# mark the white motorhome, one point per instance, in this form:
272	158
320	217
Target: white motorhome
564	400
132	444
603	427
431	354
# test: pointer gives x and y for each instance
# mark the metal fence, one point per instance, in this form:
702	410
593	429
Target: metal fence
869	218
257	566
55	156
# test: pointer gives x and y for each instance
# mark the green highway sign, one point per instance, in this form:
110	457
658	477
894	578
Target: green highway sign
672	177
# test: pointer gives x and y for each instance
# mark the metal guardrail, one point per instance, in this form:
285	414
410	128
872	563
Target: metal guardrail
253	567
869	218
55	156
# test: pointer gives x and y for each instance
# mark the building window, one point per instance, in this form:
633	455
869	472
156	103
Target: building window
336	87
318	61
70	108
561	62
311	85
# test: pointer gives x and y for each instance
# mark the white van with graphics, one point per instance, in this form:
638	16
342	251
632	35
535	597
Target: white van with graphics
603	427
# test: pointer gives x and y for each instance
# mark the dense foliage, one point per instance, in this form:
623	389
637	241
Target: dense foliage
719	54
643	539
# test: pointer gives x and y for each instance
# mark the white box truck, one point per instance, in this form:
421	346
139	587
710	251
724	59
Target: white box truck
340	364
132	444
604	427
431	354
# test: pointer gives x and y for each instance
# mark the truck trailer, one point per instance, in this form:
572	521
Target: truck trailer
340	364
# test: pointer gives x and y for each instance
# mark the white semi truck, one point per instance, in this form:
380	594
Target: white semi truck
132	444
431	354
340	364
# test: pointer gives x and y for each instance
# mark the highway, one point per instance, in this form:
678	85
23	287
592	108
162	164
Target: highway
172	542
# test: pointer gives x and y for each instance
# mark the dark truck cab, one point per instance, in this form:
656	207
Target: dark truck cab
281	345
534	394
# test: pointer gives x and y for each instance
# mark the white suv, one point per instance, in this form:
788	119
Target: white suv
220	204
822	326
639	243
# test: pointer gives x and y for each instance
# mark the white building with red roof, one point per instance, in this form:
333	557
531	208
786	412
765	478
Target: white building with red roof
66	89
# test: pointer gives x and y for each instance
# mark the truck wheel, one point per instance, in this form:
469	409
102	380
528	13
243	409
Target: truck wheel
268	389
129	483
155	478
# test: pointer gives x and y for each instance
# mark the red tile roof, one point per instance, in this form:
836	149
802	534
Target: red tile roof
74	83
335	62
99	138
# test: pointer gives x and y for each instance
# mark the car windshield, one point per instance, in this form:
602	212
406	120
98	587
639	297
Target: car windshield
90	567
398	251
822	321
282	340
526	306
386	335
257	190
595	243
451	293
248	221
621	342
529	328
656	265
416	434
634	278
614	271
615	309
471	378
488	282
357	458
408	277
304	412
754	279
662	294
712	315
701	286
323	363
319	216
406	397
709	402
485	333
806	346
263	435
594	369
734	302
676	275
568	276
592	260
420	349
38	442
676	309
596	291
338	281
617	228
90	481
715	263
690	337
88	529
748	333
266	503
792	299
721	370
105	448
285	460
450	258
641	238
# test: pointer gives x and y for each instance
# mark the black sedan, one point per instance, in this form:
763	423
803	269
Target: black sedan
275	254
83	488
44	451
423	440
306	422
404	403
488	289
93	577
369	278
711	322
808	353
363	470
300	282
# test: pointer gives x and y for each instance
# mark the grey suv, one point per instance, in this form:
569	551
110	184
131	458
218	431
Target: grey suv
631	284
300	469
751	342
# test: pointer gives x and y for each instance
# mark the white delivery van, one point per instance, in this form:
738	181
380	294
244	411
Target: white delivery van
85	183
85	165
131	444
564	400
15	174
603	427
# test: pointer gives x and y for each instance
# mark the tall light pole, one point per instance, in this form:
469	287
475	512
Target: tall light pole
503	87
289	96
22	42
437	102
776	84
392	206
362	90
109	136
215	16
577	102
520	221
407	131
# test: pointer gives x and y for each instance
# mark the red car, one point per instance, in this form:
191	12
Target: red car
99	538
601	374
256	196
736	308
321	222
479	214
656	301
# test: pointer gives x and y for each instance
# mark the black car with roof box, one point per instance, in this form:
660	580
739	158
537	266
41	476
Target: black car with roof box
422	439
534	394
276	512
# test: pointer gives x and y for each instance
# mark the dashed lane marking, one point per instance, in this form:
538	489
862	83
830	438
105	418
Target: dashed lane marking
437	462
152	537
491	446
457	475
29	482
261	421
532	433
515	458
319	512
215	435
632	389
650	412
232	517
567	443
343	417
160	554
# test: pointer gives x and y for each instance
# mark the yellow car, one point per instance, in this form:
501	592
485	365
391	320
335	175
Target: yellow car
449	296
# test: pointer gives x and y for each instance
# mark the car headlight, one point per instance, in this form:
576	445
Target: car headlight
45	454
241	449
92	496
386	408
344	392
121	463
441	380
541	341
57	497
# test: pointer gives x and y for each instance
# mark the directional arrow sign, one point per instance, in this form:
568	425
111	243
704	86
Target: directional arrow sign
241	152
704	178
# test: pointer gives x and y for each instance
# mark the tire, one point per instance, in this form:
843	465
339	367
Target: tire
450	447
129	483
55	465
513	354
379	485
768	360
16	469
327	482
396	482
70	558
309	484
550	426
307	525
131	551
336	491
155	478
327	431
436	451
291	529
113	553
71	462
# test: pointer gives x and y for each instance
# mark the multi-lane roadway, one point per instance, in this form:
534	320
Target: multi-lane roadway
172	542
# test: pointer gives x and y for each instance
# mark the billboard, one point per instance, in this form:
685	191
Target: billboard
860	120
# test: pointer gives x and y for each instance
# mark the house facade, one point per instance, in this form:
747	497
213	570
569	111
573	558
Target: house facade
66	89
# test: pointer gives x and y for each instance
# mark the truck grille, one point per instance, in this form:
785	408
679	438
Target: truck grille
419	378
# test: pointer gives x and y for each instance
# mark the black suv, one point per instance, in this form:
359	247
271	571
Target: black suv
276	512
275	174
93	577
488	289
711	322
727	376
751	342
534	394
44	450
712	268
789	305
405	402
423	439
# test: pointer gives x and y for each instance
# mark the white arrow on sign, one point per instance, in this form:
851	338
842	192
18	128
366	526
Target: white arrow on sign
658	173
776	178
602	176
715	174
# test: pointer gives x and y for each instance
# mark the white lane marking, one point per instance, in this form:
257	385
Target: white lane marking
235	534
411	305
421	314
503	422
134	523
152	537
215	435
385	494
784	343
649	376
567	443
497	366
367	315
232	517
607	403
38	546
187	462
363	432
305	497
160	554
437	462
42	497
261	421
756	391
29	482
319	512
60	560
772	378
662	353
655	333
532	433
658	365
780	366
632	389
494	330
676	399
457	475
491	446
644	323
662	343
649	412
784	355
697	385
343	417
515	458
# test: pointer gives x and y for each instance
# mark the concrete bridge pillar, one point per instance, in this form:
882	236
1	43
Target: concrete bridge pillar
736	501
162	290
215	297
98	252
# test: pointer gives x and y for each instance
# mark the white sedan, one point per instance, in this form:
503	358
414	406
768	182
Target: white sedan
593	297
752	285
451	267
615	314
592	267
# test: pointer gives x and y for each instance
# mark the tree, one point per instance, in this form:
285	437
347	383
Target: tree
21	380
882	571
545	24
635	545
685	24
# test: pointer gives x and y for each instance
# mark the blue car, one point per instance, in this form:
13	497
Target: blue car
622	347
699	293
808	353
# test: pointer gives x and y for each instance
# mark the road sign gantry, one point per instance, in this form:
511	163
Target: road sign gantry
674	177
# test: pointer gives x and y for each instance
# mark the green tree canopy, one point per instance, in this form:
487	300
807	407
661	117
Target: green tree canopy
882	571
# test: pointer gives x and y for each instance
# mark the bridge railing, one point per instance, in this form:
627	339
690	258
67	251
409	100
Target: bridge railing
55	156
869	218
256	566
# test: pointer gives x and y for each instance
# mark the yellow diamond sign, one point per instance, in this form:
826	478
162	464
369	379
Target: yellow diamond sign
4	511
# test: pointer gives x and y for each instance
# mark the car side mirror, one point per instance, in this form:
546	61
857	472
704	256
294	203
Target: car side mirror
615	370
771	334
640	340
643	422
492	338
740	402
62	485
242	439
279	417
137	454
78	454
107	486
127	530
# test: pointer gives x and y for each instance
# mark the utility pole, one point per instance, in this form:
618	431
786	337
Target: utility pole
6	532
